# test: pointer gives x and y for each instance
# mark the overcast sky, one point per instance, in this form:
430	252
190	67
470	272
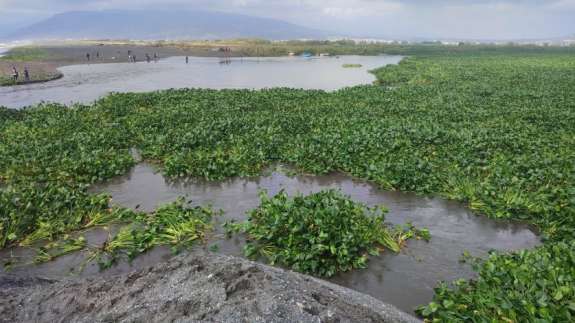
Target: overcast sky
469	19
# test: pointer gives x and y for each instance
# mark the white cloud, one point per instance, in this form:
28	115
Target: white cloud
564	5
393	18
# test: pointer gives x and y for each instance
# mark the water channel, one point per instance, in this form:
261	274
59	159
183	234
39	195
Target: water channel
406	279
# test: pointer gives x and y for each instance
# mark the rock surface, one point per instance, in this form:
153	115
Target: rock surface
199	287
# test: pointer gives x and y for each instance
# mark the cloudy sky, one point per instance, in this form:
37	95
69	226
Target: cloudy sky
468	19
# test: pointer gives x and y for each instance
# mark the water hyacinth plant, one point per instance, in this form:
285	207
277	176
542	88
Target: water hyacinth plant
321	234
518	287
174	224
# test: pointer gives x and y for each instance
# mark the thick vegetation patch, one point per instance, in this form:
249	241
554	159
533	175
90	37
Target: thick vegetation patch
322	233
522	287
494	128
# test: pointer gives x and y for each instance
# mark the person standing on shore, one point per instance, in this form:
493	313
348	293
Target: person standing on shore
88	56
15	74
26	75
187	59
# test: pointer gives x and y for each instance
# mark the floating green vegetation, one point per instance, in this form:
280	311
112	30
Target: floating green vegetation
520	287
174	225
322	234
33	212
59	248
352	65
492	127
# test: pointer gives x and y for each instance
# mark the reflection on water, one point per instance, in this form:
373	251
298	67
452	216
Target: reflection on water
405	280
86	83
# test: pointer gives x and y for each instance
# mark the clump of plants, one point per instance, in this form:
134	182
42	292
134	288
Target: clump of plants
321	234
527	286
59	248
174	224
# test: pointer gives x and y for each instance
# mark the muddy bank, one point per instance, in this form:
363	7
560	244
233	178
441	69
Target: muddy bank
194	287
39	72
54	56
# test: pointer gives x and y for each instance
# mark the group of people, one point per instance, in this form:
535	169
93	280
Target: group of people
88	56
132	57
16	74
149	58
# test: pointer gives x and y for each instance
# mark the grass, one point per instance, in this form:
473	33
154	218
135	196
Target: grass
26	54
27	57
35	77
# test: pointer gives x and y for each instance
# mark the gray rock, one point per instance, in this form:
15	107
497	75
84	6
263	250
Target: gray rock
198	287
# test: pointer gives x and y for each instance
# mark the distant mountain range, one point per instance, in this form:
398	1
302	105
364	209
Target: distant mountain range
161	24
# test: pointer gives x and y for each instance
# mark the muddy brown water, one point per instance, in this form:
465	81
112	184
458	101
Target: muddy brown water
405	280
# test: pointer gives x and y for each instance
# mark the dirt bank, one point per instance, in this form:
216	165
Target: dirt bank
195	287
39	72
44	67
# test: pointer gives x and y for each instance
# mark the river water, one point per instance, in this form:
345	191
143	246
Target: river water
88	82
405	280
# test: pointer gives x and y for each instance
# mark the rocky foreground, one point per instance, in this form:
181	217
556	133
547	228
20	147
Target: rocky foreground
191	288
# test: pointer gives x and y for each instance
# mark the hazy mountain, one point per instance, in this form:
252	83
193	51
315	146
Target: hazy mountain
161	24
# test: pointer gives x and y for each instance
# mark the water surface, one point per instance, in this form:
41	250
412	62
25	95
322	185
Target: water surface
406	279
86	83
